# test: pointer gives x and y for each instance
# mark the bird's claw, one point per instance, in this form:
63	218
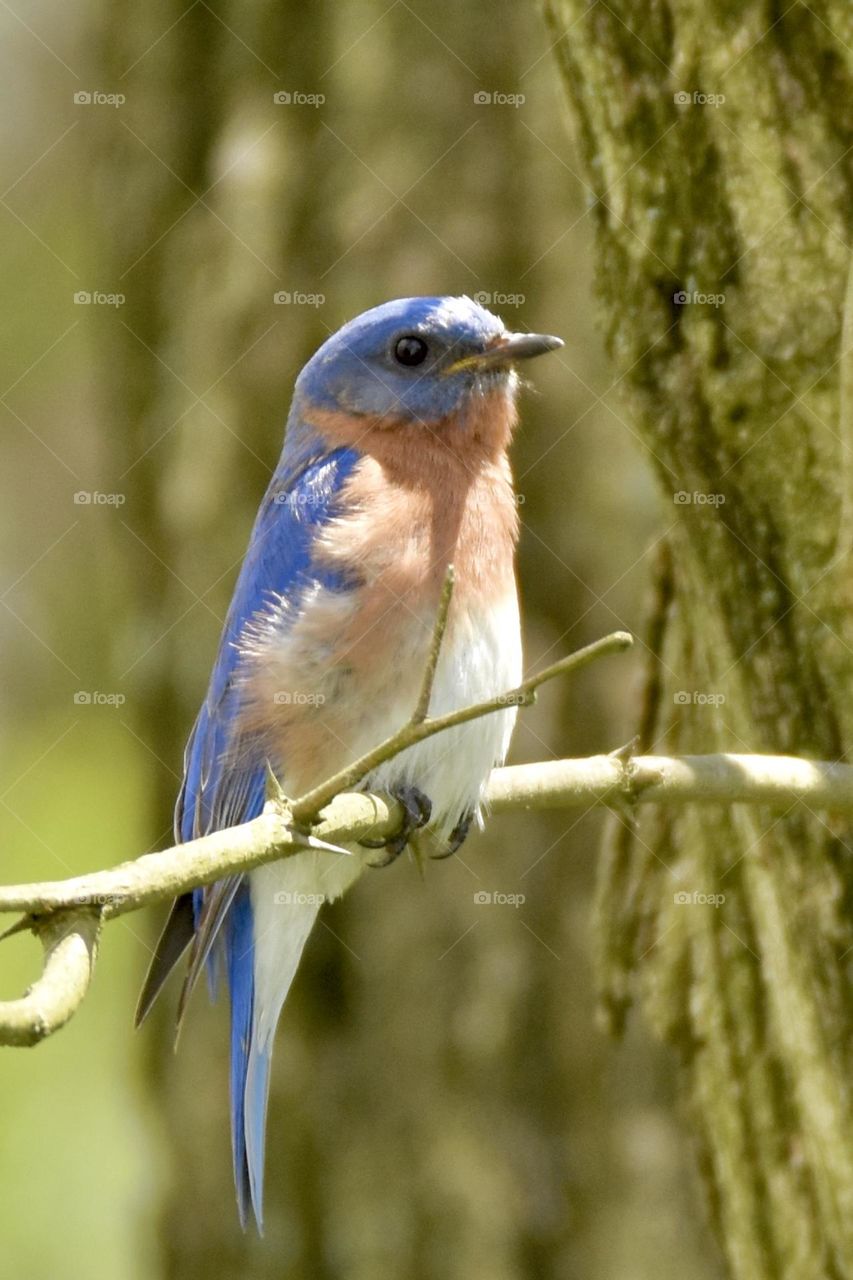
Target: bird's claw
456	838
417	809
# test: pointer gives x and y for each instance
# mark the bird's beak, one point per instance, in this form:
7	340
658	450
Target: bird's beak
509	348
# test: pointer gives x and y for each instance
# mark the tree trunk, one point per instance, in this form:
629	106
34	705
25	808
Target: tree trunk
716	144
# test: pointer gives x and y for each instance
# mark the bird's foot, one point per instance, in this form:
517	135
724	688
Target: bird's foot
457	837
416	814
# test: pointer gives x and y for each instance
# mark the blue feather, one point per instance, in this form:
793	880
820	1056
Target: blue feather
300	499
215	793
239	947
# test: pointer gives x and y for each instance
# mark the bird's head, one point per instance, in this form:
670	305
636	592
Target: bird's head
417	360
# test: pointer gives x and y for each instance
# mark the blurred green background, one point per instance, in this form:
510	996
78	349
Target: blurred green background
443	1102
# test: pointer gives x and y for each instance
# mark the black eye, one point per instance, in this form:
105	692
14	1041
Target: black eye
411	350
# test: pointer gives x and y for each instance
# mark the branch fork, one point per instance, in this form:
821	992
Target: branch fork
67	914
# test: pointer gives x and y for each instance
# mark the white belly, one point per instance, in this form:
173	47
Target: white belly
483	659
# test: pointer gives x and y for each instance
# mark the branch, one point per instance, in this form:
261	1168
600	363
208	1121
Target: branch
421	710
778	781
278	832
308	806
70	941
66	913
161	876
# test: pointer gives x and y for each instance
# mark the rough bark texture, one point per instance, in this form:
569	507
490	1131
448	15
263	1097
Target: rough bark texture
749	198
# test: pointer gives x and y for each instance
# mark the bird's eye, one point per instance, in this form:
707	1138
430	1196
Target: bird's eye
410	350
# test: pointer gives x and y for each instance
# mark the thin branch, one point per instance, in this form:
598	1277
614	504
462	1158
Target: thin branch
778	781
422	709
161	876
308	806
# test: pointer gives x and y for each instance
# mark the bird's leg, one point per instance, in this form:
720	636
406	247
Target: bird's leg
416	814
457	836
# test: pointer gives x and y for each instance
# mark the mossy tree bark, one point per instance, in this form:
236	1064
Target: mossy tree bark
716	144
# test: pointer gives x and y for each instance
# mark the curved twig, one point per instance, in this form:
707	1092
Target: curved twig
421	710
308	806
70	940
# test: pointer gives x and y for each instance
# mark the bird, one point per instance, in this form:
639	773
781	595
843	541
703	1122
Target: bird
394	468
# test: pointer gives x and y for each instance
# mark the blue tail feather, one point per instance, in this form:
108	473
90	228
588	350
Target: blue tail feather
240	959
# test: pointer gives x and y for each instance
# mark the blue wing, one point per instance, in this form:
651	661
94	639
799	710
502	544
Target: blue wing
277	563
216	792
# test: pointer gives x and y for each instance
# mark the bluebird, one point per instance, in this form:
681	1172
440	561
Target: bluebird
394	467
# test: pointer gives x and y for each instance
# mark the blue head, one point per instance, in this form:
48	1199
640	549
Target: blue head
415	358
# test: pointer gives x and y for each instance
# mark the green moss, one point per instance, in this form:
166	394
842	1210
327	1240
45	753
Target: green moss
750	199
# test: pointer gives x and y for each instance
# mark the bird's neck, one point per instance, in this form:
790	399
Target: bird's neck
476	435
